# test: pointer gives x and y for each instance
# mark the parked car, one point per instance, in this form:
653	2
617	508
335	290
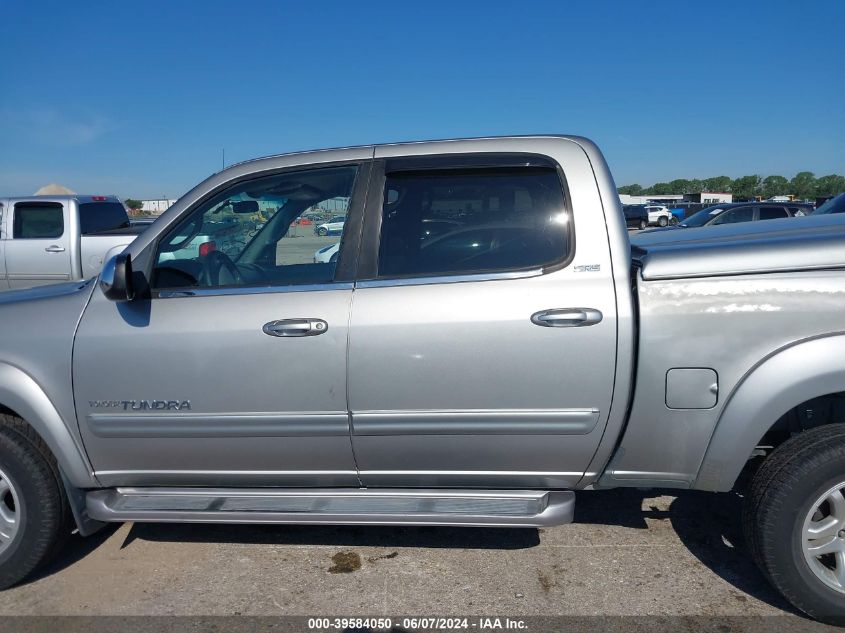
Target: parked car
658	215
744	212
480	378
333	227
834	205
636	216
50	239
327	254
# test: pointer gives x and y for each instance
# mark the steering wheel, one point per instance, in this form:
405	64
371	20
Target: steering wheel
215	263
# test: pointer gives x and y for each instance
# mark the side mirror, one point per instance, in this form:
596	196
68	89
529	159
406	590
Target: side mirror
116	278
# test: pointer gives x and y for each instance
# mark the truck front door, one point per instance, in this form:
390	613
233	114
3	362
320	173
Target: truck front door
233	370
483	346
39	244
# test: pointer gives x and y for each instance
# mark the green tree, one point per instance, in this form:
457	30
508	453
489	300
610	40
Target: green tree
696	186
680	185
803	185
134	205
774	186
660	189
830	185
746	187
631	190
717	184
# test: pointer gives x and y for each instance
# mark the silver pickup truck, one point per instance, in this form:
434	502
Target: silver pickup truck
49	239
487	343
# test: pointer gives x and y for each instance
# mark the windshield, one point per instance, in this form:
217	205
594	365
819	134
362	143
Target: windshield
702	217
834	205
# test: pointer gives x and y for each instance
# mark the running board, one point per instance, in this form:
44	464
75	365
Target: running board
492	508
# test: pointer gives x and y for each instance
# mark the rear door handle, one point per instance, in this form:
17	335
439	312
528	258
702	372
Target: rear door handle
567	317
55	249
295	327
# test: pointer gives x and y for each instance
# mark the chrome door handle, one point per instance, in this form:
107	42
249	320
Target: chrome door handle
567	317
295	327
55	249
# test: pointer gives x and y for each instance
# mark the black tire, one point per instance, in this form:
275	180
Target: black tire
43	514
662	221
322	232
781	495
643	225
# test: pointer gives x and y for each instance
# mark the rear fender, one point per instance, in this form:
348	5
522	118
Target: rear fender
805	370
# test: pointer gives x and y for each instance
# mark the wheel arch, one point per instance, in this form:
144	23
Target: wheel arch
793	375
20	395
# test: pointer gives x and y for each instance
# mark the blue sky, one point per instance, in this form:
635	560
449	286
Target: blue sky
139	98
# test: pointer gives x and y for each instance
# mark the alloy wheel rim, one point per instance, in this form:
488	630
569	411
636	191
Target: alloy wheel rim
9	512
823	538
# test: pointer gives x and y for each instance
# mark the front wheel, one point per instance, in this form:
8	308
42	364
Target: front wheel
33	510
795	521
322	232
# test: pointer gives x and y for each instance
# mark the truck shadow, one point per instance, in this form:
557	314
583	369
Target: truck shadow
340	535
708	525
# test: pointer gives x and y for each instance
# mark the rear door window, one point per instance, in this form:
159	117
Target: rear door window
38	220
772	213
471	220
97	217
732	216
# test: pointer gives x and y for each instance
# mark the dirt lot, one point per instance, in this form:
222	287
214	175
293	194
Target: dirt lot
629	552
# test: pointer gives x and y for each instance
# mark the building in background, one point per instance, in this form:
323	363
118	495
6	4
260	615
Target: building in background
705	197
156	207
709	197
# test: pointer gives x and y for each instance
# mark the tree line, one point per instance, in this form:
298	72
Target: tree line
804	186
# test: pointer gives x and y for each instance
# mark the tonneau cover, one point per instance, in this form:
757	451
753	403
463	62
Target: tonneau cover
803	243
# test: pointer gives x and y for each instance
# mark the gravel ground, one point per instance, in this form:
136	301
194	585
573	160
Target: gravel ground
629	552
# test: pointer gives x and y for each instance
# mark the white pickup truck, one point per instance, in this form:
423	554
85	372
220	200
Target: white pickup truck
49	239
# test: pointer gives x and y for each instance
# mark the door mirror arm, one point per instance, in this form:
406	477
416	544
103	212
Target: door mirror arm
116	279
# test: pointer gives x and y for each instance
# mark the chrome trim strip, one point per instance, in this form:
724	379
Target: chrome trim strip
214	426
250	290
482	473
355	493
224	472
448	279
38	276
475	422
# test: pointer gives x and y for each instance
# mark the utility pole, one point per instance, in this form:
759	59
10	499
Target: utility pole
224	158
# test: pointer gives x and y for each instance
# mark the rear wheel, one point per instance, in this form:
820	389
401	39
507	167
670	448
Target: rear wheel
795	521
643	224
34	513
663	220
322	232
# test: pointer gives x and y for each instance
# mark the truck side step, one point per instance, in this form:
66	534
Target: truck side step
494	508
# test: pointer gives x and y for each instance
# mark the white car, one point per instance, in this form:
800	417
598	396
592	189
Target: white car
659	215
327	254
333	227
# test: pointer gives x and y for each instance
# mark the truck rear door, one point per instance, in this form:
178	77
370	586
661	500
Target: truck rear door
483	345
4	280
38	243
